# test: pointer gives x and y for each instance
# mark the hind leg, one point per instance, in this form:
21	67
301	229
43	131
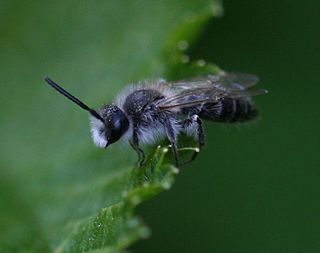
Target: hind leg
173	140
195	121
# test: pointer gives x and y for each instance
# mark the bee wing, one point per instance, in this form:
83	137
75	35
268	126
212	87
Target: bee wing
234	80
230	80
210	89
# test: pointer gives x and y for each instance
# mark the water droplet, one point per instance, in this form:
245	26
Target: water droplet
216	9
185	58
183	44
135	200
201	63
166	185
132	223
144	232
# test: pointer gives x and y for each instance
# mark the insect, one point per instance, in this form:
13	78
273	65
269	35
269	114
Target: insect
152	110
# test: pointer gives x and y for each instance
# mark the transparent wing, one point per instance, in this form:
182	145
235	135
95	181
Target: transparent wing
205	89
237	80
230	80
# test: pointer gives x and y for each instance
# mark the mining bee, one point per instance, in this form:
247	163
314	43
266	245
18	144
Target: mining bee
153	110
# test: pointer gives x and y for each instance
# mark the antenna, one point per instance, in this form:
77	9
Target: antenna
73	99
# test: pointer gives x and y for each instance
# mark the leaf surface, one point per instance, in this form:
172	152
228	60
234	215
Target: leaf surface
59	193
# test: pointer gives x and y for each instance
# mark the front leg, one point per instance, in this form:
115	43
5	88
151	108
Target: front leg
135	145
173	140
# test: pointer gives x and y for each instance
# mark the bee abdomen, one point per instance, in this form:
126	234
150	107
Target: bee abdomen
229	110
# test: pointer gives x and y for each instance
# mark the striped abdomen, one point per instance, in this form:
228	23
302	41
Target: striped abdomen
229	110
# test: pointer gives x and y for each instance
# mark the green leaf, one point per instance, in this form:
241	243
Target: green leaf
59	193
115	227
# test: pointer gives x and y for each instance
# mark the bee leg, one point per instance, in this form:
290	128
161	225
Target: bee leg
195	119
173	141
135	145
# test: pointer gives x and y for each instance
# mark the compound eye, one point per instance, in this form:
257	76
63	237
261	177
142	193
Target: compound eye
116	126
119	124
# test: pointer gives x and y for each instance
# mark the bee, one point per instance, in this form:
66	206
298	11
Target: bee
153	110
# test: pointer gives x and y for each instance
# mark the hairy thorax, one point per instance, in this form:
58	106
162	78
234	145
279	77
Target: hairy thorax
136	102
145	116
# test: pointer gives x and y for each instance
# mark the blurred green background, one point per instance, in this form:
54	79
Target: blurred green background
254	188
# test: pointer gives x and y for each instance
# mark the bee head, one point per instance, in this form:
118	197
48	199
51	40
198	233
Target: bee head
107	124
115	124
